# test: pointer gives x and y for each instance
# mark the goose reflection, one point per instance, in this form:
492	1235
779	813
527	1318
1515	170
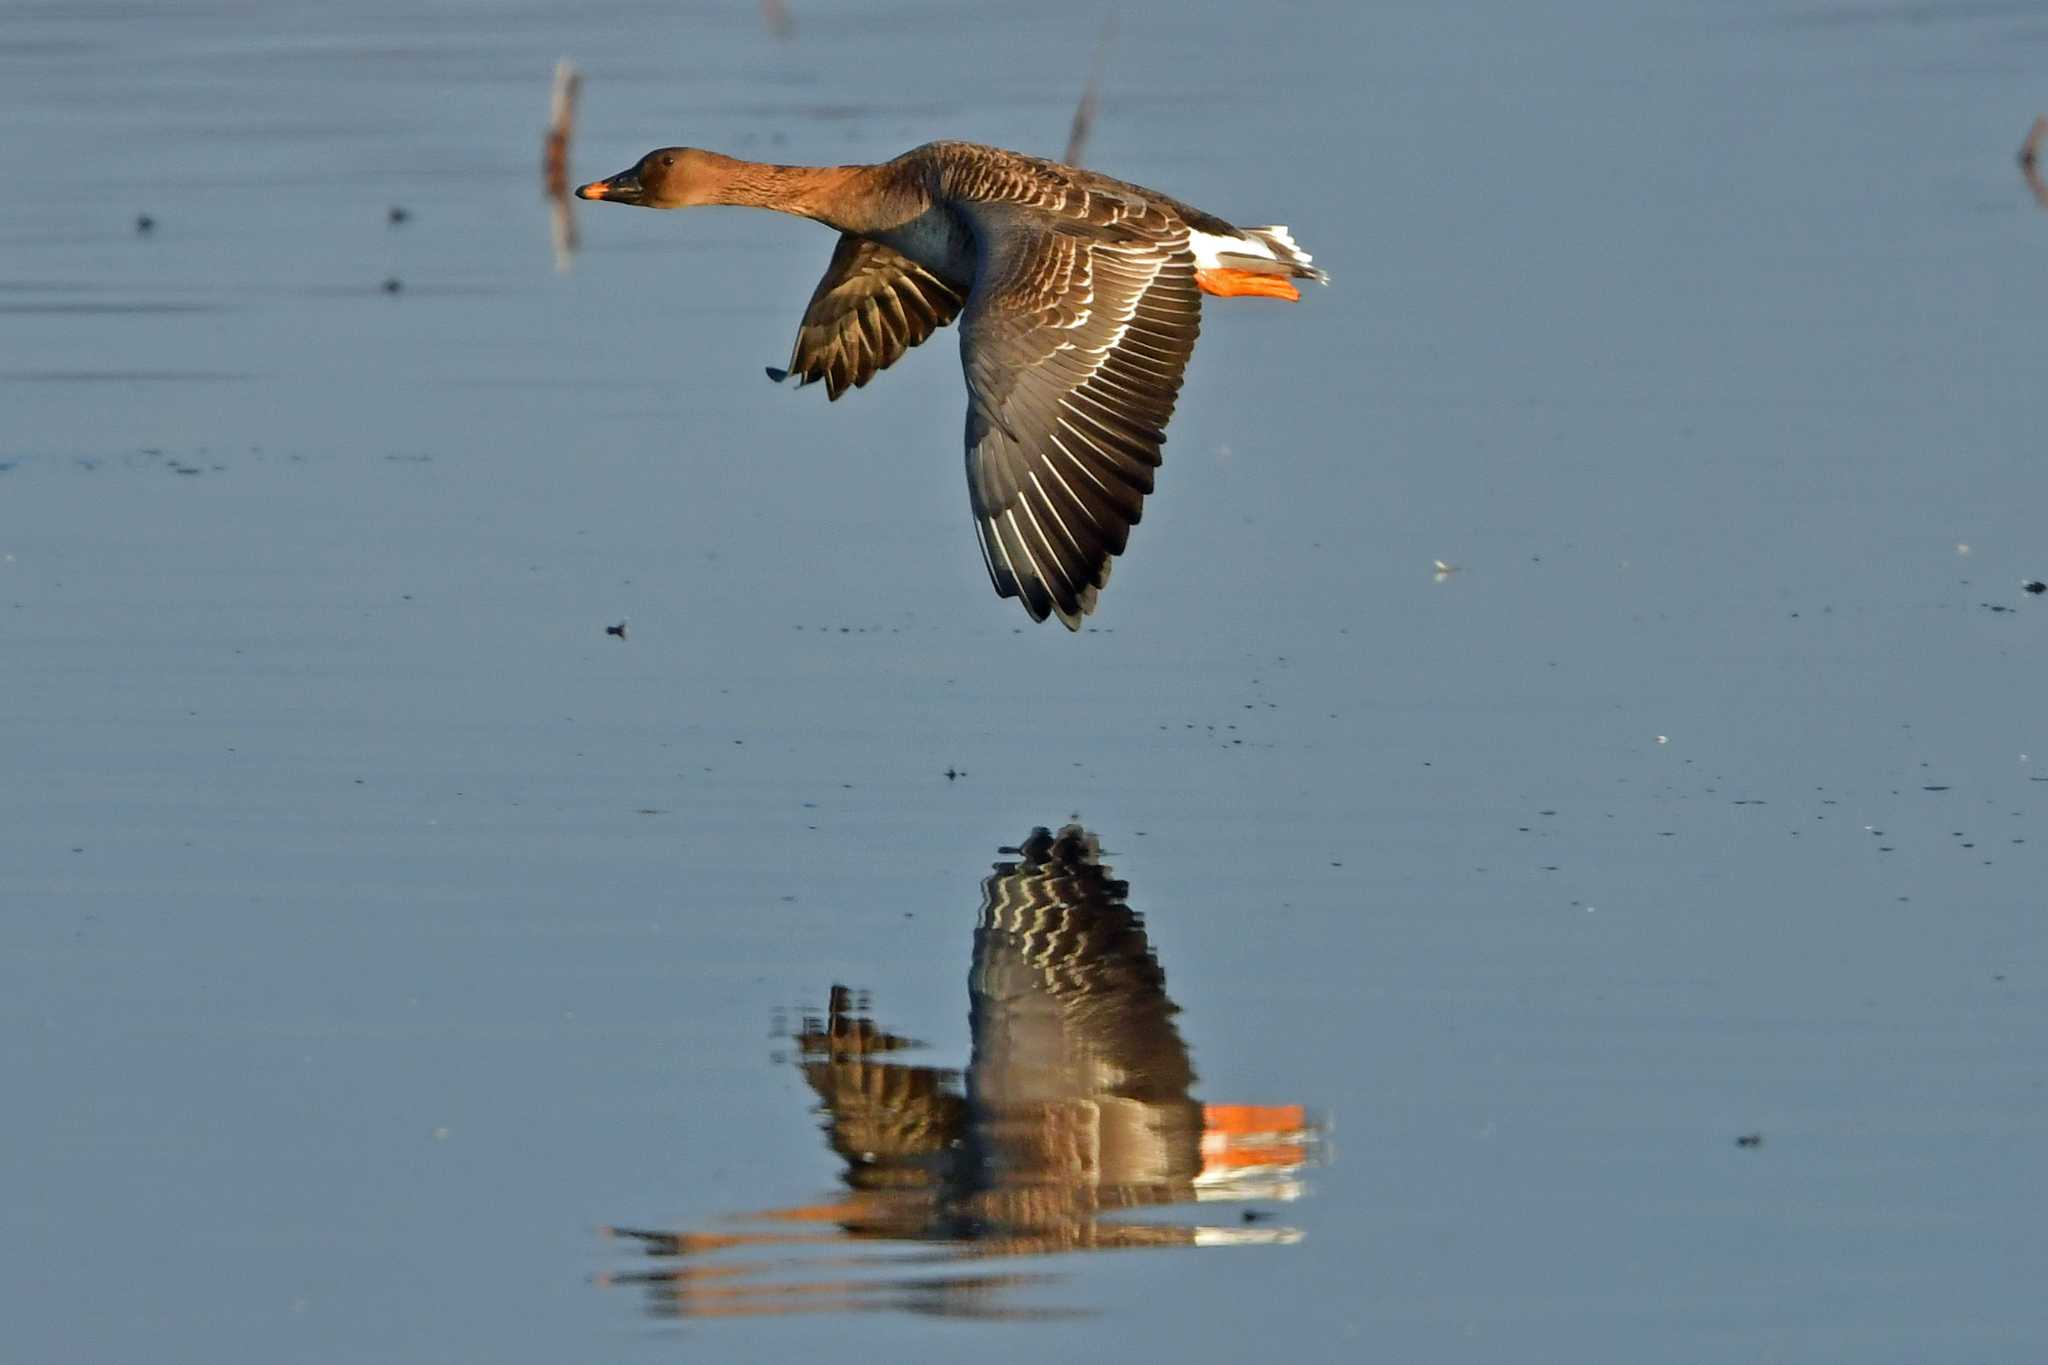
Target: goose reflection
1074	1105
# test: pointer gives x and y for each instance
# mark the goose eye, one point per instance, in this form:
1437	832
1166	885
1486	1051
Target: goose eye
668	161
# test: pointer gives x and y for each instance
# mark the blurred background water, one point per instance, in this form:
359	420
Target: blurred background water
374	927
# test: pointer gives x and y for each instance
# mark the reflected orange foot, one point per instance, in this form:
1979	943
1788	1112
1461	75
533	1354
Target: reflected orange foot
819	1213
1228	284
1236	1136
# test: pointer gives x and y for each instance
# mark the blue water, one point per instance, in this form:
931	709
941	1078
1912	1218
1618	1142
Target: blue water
374	928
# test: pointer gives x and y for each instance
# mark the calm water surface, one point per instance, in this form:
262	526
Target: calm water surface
375	930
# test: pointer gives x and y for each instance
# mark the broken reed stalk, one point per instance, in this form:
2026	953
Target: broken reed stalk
1084	113
561	123
554	161
2030	159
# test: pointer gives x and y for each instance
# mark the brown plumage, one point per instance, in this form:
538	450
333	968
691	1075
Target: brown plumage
872	305
1079	301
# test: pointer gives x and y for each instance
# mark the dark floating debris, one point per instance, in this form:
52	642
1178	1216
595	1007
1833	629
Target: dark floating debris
955	774
1750	1140
392	284
618	630
398	214
2035	586
144	224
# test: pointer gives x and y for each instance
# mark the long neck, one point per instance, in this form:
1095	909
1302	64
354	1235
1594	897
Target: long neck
857	199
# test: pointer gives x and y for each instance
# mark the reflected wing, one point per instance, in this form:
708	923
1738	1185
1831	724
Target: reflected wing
871	307
889	1122
1074	346
1066	997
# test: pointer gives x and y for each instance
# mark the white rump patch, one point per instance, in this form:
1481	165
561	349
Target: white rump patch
1206	246
1278	232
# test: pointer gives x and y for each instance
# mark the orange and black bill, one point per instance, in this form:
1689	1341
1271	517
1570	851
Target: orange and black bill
623	188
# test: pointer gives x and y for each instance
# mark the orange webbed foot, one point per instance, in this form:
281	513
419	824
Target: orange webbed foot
1229	283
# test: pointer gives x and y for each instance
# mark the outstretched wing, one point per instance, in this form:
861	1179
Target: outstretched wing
872	305
1074	344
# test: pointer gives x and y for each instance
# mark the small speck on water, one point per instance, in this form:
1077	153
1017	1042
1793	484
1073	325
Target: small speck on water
2035	586
1750	1140
397	214
392	284
144	224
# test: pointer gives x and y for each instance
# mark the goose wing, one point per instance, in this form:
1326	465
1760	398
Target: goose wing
872	305
1074	341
